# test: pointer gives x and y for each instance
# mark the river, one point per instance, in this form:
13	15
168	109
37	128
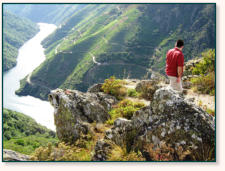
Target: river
30	55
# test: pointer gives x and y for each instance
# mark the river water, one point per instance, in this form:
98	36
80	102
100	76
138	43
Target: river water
30	55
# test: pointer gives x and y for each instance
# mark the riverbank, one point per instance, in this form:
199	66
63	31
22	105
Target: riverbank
31	55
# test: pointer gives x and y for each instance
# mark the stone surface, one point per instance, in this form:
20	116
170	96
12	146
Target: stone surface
10	155
169	119
95	88
74	109
102	150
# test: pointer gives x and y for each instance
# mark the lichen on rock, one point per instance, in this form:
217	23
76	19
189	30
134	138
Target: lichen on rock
74	110
170	122
169	119
10	155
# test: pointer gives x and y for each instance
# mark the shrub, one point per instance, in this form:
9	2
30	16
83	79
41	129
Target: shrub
147	89
114	87
20	142
120	154
166	152
210	111
125	108
79	151
132	93
205	83
207	63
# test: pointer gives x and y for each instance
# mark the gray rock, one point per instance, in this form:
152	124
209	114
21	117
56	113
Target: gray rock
169	119
10	155
74	109
102	150
95	88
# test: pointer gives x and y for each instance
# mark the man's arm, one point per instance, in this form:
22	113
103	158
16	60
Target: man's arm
179	72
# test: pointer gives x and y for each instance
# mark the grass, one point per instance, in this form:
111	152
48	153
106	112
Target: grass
27	145
121	154
81	150
125	108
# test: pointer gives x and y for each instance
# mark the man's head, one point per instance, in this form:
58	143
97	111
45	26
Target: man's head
180	44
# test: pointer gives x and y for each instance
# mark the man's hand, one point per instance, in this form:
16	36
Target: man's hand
178	79
180	72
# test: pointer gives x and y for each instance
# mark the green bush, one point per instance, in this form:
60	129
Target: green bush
211	112
207	64
115	87
125	108
132	93
205	83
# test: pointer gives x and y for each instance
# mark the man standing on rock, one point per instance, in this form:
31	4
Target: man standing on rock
174	65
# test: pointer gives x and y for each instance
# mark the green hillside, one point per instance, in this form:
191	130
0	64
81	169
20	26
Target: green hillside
16	31
23	134
125	40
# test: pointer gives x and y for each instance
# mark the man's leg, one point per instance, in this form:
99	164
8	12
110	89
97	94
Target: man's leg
174	84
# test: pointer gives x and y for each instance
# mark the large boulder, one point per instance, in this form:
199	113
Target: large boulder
10	155
95	88
74	110
168	120
178	117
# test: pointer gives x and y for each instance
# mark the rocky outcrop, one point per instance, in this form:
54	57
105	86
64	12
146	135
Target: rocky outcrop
170	119
95	88
10	155
74	110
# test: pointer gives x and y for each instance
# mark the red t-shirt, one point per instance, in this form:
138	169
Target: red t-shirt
174	58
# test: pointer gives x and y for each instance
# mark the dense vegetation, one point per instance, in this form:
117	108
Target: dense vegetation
21	133
114	87
205	83
82	151
16	31
125	40
125	109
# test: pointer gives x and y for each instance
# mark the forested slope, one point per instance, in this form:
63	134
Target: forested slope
16	31
125	40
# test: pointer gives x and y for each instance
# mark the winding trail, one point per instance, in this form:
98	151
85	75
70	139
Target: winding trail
93	59
28	78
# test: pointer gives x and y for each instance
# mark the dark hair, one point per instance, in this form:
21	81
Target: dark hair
179	43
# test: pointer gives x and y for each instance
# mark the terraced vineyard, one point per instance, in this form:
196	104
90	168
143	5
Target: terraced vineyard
125	40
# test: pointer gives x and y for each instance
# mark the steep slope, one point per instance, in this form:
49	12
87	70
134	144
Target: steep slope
23	134
125	40
48	13
16	31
